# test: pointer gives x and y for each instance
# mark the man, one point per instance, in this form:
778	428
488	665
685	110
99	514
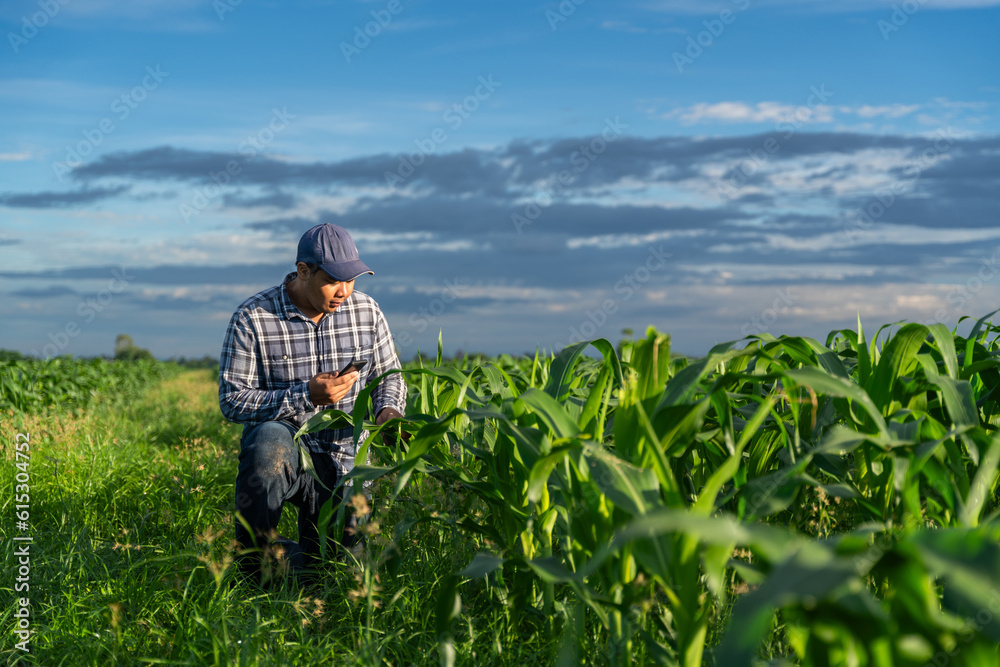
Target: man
279	366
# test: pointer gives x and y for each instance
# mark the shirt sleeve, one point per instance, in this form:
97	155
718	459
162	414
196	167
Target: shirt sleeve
391	391
241	397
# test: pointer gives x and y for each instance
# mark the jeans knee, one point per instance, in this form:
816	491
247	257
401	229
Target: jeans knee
267	454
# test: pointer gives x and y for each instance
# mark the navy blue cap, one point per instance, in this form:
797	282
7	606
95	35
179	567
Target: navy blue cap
333	249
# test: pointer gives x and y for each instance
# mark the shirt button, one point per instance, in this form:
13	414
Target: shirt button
284	356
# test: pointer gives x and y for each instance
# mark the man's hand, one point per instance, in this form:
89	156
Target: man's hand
384	415
328	388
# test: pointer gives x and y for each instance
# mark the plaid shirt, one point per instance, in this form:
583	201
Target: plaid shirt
271	351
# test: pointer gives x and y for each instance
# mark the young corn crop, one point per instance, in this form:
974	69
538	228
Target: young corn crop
846	490
29	385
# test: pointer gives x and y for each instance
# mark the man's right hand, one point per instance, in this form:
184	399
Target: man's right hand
328	388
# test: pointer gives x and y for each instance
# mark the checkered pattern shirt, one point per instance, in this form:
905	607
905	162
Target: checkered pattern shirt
271	350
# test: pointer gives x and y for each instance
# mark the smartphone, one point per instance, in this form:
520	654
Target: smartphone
354	365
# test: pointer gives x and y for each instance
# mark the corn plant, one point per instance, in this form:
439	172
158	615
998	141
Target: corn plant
621	489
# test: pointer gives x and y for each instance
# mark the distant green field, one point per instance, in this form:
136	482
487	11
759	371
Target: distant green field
790	501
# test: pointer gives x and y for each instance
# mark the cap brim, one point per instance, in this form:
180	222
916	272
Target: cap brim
346	271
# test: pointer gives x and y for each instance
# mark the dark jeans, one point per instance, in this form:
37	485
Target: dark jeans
271	474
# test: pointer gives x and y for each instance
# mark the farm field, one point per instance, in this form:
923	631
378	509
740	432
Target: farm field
786	501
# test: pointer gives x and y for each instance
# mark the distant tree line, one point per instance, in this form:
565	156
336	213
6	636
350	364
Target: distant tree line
127	350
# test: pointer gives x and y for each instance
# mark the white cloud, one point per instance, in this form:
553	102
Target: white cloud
622	26
625	26
894	234
778	112
762	112
888	110
612	241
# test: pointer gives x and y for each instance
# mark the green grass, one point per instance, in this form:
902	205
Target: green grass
131	512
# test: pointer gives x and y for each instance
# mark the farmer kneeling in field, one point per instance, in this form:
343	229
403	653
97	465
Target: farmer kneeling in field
279	366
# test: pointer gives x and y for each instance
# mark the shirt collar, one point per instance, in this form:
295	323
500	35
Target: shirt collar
288	308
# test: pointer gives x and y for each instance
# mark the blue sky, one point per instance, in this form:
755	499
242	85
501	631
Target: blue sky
517	174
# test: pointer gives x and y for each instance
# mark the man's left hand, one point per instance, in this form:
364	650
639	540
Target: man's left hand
385	415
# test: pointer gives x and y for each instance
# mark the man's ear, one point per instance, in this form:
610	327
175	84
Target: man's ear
302	270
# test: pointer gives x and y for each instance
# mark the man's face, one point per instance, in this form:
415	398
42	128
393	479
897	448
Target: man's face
323	292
